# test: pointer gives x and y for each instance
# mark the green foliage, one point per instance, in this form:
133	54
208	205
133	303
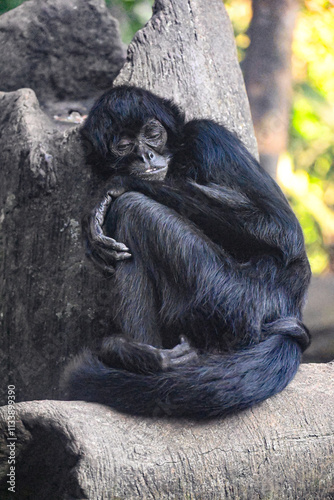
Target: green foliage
315	244
132	15
6	5
240	12
312	126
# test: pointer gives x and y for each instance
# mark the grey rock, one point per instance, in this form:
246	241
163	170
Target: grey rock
62	49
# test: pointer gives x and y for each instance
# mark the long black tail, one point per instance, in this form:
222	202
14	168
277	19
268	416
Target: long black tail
218	385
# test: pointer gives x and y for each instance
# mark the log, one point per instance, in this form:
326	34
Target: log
282	449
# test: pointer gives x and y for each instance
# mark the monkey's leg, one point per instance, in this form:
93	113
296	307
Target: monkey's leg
177	281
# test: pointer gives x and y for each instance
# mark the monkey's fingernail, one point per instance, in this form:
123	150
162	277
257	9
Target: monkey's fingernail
122	255
122	248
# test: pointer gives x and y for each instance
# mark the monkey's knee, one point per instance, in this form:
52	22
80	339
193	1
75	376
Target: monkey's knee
129	201
126	214
127	207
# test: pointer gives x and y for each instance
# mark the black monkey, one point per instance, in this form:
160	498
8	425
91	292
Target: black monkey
208	307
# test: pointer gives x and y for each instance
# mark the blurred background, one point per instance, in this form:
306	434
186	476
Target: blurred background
305	165
286	52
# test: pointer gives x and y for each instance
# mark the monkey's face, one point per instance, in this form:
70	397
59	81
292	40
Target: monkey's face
143	153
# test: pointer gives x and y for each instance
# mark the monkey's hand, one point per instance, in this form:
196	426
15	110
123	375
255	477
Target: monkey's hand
136	357
101	249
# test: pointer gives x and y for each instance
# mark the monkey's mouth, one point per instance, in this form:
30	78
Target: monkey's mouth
154	173
152	170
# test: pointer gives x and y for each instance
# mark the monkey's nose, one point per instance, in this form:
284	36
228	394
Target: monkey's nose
146	156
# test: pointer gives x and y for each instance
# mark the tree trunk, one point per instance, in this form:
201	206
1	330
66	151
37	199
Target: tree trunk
267	73
282	449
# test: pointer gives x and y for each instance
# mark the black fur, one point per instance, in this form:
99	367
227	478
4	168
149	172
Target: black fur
217	257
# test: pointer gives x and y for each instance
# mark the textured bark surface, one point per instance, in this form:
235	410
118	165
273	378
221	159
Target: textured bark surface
282	449
53	302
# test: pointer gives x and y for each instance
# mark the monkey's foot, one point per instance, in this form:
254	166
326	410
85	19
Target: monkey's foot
119	353
181	354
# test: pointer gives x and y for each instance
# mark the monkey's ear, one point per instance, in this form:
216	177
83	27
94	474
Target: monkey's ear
96	133
171	117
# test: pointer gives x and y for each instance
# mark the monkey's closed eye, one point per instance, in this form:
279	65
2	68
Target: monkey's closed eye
124	146
153	134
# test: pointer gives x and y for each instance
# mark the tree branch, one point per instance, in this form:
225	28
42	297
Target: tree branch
280	449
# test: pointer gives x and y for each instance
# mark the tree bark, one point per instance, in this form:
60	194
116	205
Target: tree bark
267	73
282	449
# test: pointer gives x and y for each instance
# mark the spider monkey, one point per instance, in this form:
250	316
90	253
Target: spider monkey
208	261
